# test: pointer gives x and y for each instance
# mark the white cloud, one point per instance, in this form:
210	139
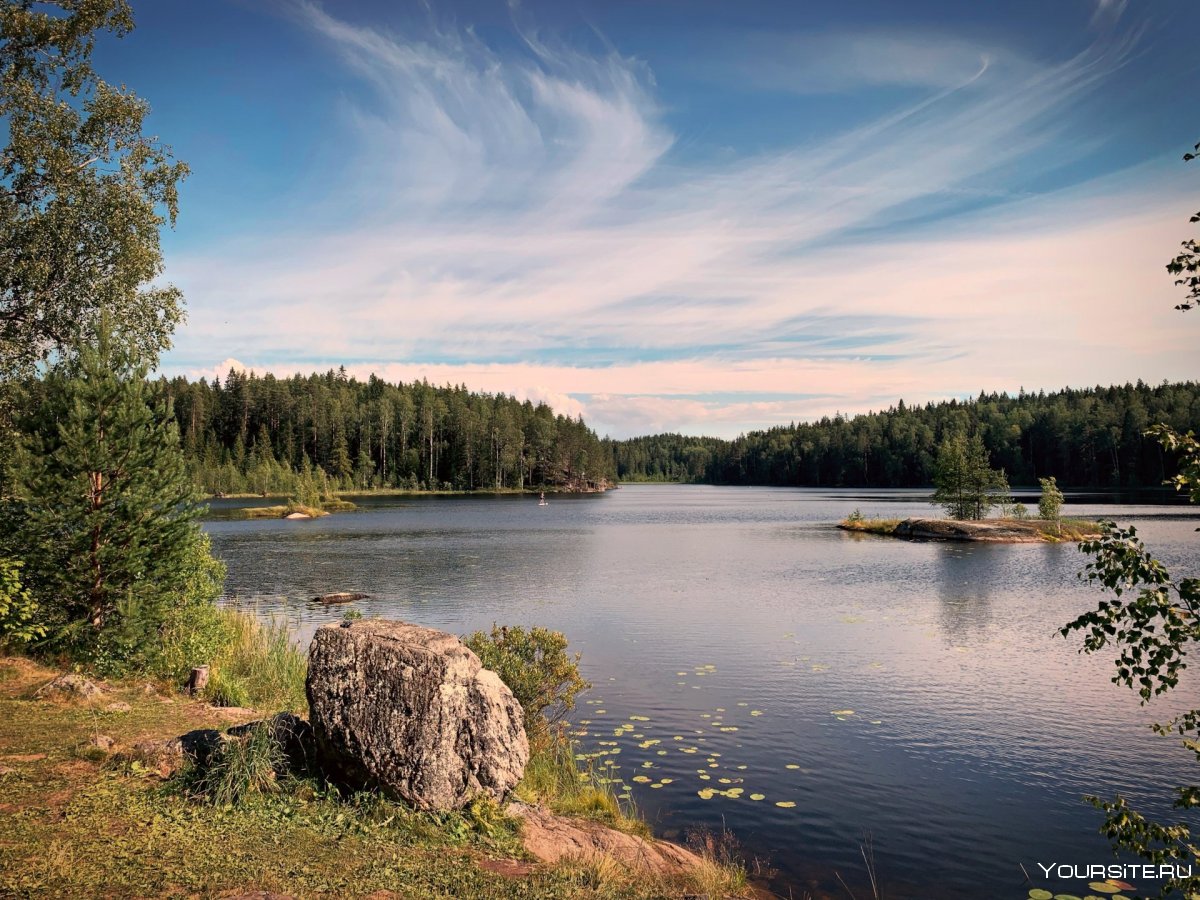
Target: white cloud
519	208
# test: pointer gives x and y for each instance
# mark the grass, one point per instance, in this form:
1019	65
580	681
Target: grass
241	767
555	779
259	666
79	824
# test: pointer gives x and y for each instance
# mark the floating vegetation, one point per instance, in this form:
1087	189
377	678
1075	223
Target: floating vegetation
791	766
785	804
756	712
758	796
642	779
840	713
705	793
1111	886
639	718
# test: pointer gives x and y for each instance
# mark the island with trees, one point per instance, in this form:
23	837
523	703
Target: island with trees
968	488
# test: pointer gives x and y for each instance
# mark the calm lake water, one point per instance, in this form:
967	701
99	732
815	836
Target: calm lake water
734	622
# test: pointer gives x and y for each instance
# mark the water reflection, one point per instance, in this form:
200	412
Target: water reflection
734	623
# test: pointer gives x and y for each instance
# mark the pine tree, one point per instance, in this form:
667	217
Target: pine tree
966	485
339	457
109	530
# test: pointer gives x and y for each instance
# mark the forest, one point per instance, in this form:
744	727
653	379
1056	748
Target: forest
1092	437
260	434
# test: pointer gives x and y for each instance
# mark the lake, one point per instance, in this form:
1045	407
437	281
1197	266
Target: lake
735	622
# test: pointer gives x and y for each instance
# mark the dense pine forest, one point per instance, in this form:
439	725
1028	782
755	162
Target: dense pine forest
1093	437
262	434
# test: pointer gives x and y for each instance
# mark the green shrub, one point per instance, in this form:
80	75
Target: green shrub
18	610
1050	504
538	670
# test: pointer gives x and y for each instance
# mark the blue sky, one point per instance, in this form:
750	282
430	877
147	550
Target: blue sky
694	216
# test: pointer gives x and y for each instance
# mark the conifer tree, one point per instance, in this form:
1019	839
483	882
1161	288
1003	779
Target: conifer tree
966	485
108	530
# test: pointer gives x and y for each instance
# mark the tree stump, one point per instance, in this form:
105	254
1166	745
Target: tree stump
197	680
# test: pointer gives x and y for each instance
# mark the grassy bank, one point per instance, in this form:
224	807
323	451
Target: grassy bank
86	817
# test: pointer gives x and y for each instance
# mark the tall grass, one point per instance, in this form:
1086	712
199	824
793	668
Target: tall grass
555	778
241	766
258	666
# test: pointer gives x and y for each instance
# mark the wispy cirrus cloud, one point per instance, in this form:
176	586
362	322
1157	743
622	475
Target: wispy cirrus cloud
524	225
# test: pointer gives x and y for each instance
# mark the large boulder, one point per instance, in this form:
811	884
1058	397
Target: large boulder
411	712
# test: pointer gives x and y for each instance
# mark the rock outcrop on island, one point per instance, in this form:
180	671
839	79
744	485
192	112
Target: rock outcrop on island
999	531
411	711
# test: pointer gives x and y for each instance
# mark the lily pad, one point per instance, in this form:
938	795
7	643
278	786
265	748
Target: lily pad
785	804
758	796
843	712
1103	887
1040	894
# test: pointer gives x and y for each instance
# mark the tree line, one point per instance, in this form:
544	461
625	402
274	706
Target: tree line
1090	437
262	434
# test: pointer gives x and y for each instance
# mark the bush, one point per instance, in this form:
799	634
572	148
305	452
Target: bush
1050	504
18	611
538	670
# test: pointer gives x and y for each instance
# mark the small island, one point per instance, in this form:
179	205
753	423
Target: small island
967	488
994	531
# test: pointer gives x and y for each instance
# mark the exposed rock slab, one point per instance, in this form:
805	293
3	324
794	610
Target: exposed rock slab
1001	531
553	838
411	711
68	686
340	597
